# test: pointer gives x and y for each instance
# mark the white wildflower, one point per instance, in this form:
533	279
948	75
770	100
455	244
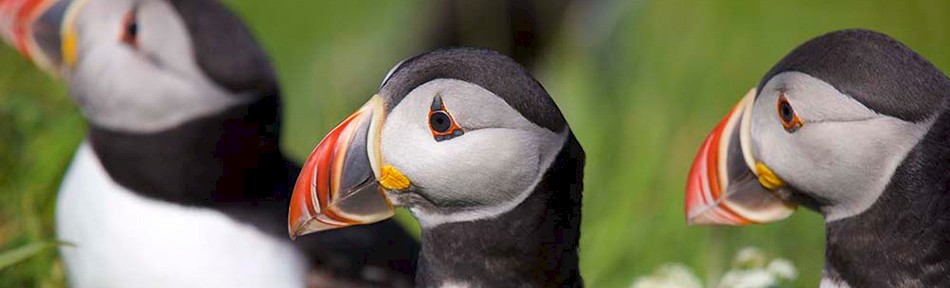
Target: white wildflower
672	275
783	268
751	278
750	269
749	257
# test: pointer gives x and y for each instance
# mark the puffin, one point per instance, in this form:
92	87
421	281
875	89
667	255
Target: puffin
854	125
479	153
181	181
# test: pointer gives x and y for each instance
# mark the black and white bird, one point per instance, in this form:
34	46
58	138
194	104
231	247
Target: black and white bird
479	153
181	181
854	125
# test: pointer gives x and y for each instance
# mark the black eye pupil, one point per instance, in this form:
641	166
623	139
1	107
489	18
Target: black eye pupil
787	113
440	122
133	29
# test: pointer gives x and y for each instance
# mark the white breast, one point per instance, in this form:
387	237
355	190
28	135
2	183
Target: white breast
125	240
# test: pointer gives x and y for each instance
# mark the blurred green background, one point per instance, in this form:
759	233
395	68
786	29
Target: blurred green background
641	83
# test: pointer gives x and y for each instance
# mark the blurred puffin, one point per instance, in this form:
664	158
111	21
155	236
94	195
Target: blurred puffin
854	125
478	152
181	181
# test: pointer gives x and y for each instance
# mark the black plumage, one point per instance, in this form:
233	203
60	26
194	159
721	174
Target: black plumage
224	48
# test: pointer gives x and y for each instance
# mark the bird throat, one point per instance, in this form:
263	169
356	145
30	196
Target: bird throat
534	244
907	228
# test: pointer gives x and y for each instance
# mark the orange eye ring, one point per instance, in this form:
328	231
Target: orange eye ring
441	123
786	114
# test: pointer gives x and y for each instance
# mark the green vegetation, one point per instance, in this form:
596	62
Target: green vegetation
641	83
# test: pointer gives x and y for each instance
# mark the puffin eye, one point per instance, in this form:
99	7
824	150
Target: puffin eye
441	124
787	115
130	29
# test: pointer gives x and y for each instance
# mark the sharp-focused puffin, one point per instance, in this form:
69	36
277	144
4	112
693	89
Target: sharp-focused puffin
478	152
181	181
854	125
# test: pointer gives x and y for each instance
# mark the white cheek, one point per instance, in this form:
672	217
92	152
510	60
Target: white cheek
849	163
163	35
487	171
846	163
121	89
482	167
164	101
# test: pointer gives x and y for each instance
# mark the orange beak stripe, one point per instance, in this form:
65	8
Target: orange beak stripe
23	13
709	185
337	185
318	181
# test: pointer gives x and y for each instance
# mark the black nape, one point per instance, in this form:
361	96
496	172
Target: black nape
224	47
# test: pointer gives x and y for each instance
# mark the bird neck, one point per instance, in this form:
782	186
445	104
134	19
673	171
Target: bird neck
230	156
534	244
904	237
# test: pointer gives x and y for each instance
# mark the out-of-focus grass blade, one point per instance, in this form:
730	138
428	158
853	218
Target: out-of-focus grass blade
17	255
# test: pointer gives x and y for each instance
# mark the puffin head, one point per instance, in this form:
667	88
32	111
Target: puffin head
455	135
141	65
826	128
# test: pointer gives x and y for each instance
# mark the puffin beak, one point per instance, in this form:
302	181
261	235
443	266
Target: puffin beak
726	185
341	183
41	30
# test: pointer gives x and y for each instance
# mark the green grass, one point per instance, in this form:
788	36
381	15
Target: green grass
641	83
